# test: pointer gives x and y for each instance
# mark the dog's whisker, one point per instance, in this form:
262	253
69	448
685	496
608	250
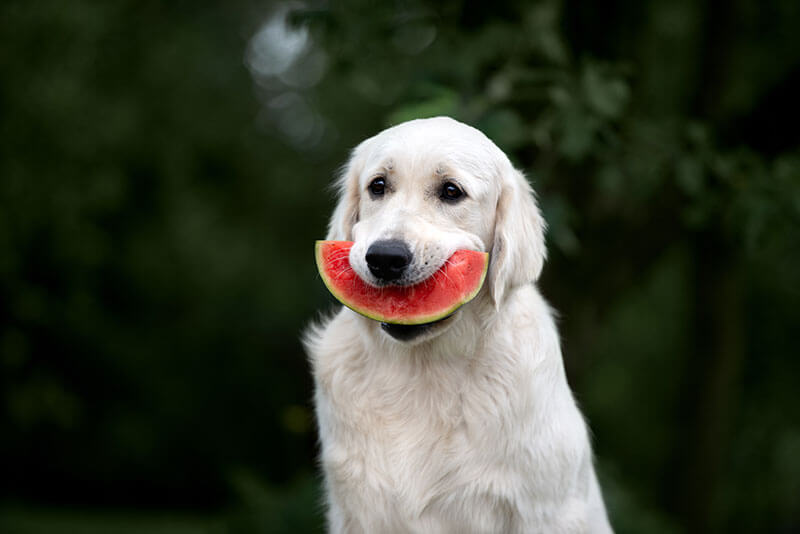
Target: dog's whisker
340	273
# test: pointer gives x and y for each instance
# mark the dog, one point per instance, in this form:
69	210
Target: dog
467	424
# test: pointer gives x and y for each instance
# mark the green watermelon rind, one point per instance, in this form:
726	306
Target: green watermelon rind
371	314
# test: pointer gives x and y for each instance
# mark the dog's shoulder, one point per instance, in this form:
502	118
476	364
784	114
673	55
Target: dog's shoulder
332	336
526	321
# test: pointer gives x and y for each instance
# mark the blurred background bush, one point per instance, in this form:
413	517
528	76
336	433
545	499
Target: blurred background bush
163	176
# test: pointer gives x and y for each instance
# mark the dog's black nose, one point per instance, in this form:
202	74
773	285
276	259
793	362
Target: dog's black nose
388	259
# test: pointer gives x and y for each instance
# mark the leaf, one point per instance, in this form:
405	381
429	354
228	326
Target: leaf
606	95
443	102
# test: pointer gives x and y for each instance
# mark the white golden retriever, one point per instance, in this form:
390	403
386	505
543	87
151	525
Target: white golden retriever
467	424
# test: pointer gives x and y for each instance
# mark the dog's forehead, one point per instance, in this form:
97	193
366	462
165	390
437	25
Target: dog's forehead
437	146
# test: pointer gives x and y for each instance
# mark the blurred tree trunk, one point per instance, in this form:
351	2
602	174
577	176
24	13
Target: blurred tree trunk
717	29
718	325
718	322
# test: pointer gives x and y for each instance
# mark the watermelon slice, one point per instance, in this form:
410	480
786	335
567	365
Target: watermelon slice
453	285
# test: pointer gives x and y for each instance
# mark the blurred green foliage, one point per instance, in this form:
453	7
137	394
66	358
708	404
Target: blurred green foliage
164	173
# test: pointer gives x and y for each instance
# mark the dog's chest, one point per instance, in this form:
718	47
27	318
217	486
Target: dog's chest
411	441
402	428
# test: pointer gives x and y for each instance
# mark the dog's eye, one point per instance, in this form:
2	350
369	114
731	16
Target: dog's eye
451	191
377	187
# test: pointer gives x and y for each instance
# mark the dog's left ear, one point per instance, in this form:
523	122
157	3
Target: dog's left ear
518	248
345	215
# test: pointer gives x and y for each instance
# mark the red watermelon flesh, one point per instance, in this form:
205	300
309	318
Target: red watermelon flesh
453	285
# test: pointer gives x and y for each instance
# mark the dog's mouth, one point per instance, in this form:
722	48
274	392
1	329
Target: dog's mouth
407	332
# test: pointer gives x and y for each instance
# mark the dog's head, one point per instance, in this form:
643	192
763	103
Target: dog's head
415	193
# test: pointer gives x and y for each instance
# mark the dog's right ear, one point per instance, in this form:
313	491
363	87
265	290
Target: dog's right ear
345	215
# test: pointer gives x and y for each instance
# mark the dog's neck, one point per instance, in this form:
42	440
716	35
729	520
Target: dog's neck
459	341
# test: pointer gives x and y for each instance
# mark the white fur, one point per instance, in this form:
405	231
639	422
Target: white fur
471	427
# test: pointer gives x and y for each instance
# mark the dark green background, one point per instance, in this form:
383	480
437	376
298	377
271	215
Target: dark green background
163	176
